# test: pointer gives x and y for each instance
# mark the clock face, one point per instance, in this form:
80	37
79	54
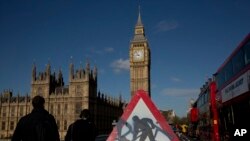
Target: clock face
138	55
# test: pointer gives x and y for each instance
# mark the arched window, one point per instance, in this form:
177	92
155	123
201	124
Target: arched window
40	91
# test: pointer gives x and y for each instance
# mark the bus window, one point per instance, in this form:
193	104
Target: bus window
228	70
247	52
220	79
238	62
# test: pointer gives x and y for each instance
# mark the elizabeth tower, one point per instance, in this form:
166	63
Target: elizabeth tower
139	55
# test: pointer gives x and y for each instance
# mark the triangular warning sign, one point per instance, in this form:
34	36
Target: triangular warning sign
142	121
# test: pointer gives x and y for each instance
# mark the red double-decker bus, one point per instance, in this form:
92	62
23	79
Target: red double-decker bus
233	91
223	105
207	128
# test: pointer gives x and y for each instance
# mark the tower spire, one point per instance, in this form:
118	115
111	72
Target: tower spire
139	34
139	22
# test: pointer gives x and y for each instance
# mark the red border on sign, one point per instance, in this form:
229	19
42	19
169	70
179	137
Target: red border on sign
140	94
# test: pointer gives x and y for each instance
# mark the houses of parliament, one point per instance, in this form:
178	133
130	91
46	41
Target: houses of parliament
65	102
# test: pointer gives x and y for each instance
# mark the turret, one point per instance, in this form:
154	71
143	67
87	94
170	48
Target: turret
43	83
71	71
87	67
34	72
95	73
60	78
47	74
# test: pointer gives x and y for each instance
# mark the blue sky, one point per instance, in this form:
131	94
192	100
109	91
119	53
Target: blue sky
189	40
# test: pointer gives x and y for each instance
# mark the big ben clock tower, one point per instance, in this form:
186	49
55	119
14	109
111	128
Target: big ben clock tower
139	55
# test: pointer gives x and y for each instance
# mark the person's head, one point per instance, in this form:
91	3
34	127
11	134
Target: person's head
38	102
135	118
194	105
85	113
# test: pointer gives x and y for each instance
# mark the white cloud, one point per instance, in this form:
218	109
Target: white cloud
163	26
120	65
180	92
102	51
109	49
175	79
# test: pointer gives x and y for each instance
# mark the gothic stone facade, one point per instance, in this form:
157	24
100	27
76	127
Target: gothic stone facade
64	102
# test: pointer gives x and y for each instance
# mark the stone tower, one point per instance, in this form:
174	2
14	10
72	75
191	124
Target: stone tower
40	84
45	82
83	84
139	55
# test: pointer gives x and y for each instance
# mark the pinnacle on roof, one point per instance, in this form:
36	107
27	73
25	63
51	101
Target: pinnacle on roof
139	22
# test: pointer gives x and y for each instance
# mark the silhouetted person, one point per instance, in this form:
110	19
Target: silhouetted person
145	126
39	125
82	129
